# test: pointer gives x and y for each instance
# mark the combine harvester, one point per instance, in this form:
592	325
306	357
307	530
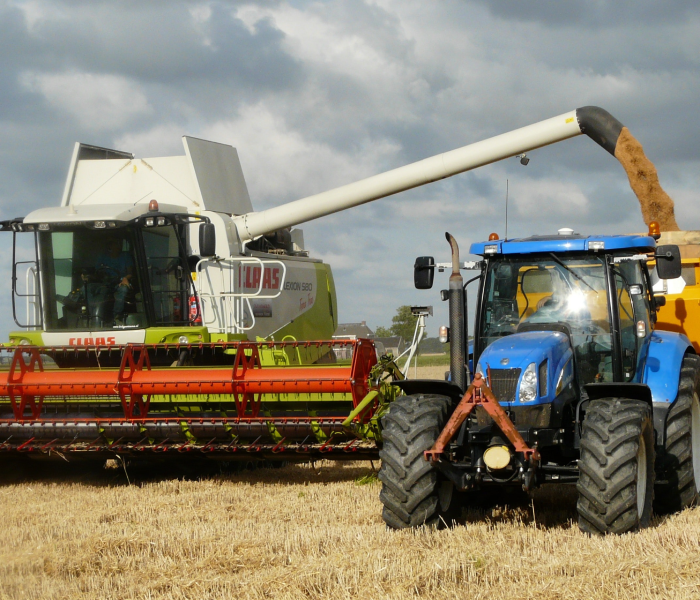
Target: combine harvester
166	317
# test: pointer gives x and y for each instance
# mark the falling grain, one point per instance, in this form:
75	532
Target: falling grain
655	203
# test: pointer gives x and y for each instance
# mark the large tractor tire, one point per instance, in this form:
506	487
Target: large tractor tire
678	463
616	480
414	493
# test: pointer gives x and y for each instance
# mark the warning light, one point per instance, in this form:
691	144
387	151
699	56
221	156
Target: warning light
153	205
655	230
493	237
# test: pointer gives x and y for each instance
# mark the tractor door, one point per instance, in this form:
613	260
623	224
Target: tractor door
634	314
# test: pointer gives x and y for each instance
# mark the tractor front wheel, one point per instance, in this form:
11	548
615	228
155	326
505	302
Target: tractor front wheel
414	493
616	479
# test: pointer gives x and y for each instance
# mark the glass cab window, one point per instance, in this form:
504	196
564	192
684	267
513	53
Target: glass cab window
545	291
167	274
90	280
116	279
634	313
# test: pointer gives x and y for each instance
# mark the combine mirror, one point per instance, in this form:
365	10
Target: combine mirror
423	272
207	239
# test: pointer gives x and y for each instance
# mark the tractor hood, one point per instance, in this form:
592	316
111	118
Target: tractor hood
528	368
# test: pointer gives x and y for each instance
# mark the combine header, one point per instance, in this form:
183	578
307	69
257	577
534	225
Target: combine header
162	314
243	409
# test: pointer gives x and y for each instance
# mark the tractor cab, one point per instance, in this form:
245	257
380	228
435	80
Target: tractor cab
592	294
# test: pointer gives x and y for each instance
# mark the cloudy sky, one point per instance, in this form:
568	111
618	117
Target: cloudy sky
318	94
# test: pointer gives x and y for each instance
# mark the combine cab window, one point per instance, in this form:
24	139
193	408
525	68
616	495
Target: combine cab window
546	291
167	274
90	280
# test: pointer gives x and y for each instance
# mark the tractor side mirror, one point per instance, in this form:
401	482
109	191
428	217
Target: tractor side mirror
207	239
668	262
423	272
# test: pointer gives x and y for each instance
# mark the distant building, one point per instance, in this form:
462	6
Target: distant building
395	344
351	331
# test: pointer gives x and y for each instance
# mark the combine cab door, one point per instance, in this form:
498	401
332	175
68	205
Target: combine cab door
26	297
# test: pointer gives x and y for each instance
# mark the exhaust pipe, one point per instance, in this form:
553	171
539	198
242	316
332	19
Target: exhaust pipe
458	342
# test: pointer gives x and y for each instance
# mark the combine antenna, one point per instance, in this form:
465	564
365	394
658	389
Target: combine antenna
506	236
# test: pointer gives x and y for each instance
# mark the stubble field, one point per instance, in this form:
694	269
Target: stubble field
311	531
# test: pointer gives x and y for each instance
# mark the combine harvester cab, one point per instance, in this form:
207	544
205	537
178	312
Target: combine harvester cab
572	383
161	232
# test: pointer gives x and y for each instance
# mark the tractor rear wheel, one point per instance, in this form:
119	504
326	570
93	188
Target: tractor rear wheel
616	480
414	493
679	462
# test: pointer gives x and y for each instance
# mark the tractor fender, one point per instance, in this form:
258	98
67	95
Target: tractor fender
662	367
662	372
429	386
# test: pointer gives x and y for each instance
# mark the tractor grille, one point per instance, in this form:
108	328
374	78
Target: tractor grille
504	382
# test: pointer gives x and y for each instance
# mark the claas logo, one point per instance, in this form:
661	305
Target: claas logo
249	277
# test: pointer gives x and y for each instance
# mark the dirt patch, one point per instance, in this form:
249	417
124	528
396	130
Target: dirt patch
434	372
656	204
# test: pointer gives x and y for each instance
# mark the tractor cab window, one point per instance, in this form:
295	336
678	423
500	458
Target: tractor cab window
551	290
634	313
89	280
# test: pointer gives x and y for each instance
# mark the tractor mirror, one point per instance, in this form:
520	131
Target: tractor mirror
668	262
207	239
423	272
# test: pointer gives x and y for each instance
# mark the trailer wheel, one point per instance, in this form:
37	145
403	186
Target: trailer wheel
679	461
616	480
413	492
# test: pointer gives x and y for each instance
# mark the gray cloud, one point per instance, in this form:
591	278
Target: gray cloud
594	14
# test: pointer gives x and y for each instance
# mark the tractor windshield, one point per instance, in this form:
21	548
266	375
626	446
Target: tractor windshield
125	278
551	290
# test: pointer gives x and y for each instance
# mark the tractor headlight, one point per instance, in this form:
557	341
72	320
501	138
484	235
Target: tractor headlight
528	384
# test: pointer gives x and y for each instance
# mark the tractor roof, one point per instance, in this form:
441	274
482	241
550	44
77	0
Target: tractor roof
566	243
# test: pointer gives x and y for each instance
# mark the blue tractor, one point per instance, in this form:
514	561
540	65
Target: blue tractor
567	381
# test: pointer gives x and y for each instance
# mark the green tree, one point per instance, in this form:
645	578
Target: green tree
382	332
403	323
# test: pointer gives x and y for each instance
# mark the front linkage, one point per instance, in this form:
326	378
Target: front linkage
480	394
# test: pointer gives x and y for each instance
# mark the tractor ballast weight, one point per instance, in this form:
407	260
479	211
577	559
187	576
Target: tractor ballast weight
168	254
573	383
